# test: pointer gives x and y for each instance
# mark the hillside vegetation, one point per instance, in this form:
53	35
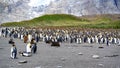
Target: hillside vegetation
64	20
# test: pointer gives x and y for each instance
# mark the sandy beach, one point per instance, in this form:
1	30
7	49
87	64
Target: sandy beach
66	56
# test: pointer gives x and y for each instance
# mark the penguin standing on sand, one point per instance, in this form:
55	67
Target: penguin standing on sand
13	51
34	46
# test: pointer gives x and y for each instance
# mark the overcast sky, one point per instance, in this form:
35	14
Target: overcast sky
39	2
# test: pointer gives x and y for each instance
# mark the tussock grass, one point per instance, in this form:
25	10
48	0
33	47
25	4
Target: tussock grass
105	21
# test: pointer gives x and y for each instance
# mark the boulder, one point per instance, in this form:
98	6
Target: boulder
95	56
80	53
22	61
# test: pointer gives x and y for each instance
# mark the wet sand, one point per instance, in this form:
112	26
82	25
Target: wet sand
66	56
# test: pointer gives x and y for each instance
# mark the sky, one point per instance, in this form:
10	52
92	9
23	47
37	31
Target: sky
39	2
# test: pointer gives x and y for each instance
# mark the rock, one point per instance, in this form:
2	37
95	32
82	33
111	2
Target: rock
118	45
101	47
1	48
63	59
101	65
80	53
38	67
22	61
95	56
112	56
59	66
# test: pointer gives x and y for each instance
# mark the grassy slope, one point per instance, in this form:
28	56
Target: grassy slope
97	21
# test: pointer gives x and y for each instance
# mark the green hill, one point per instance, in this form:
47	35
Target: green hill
96	21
